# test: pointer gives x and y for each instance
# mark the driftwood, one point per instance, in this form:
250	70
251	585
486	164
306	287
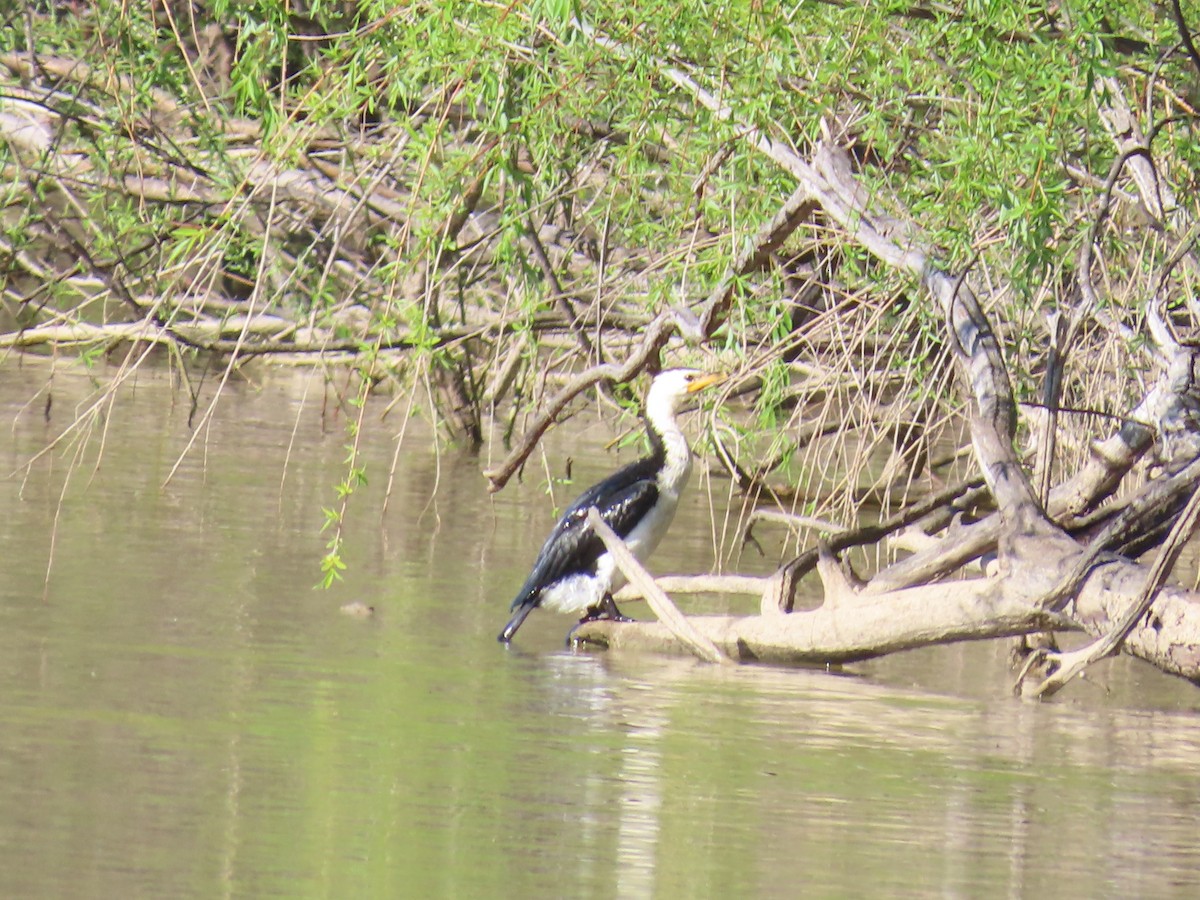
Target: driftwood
1104	592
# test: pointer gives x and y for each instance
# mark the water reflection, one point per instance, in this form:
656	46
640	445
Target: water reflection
182	714
833	780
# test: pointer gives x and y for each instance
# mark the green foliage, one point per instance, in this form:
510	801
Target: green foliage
332	565
375	169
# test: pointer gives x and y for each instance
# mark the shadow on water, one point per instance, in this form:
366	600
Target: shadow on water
182	714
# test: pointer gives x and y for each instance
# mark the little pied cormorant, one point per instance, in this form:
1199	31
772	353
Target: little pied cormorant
573	572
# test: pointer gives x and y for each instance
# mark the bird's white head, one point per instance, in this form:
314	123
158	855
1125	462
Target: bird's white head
670	387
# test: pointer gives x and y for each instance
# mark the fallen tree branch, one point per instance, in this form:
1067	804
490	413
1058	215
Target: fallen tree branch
801	565
1066	666
1033	548
1110	461
860	629
748	585
873	625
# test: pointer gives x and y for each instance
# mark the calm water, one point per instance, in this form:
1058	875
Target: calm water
181	714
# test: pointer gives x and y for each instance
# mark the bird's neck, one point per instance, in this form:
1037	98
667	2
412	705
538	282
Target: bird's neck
670	447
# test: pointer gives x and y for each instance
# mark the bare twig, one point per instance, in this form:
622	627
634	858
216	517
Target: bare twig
556	289
1185	35
753	256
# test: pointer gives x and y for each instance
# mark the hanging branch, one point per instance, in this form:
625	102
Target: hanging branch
655	338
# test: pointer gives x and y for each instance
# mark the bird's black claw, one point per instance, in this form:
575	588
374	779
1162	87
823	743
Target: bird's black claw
574	640
608	610
605	611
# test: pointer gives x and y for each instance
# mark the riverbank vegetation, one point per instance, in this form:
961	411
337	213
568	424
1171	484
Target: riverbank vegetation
489	210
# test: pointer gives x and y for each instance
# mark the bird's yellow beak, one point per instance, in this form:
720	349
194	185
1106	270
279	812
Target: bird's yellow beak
706	380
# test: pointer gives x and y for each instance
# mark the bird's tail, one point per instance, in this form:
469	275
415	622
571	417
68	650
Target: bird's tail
515	622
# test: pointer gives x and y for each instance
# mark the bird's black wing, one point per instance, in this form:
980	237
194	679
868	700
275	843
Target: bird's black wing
573	547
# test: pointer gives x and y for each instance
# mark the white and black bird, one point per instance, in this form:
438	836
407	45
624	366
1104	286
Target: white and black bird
574	573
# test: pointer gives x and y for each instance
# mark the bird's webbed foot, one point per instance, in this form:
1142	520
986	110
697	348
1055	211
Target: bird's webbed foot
605	610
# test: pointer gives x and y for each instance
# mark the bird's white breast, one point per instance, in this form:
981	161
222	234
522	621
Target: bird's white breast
577	593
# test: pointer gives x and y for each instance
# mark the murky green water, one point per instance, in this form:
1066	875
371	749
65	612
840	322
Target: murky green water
181	714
